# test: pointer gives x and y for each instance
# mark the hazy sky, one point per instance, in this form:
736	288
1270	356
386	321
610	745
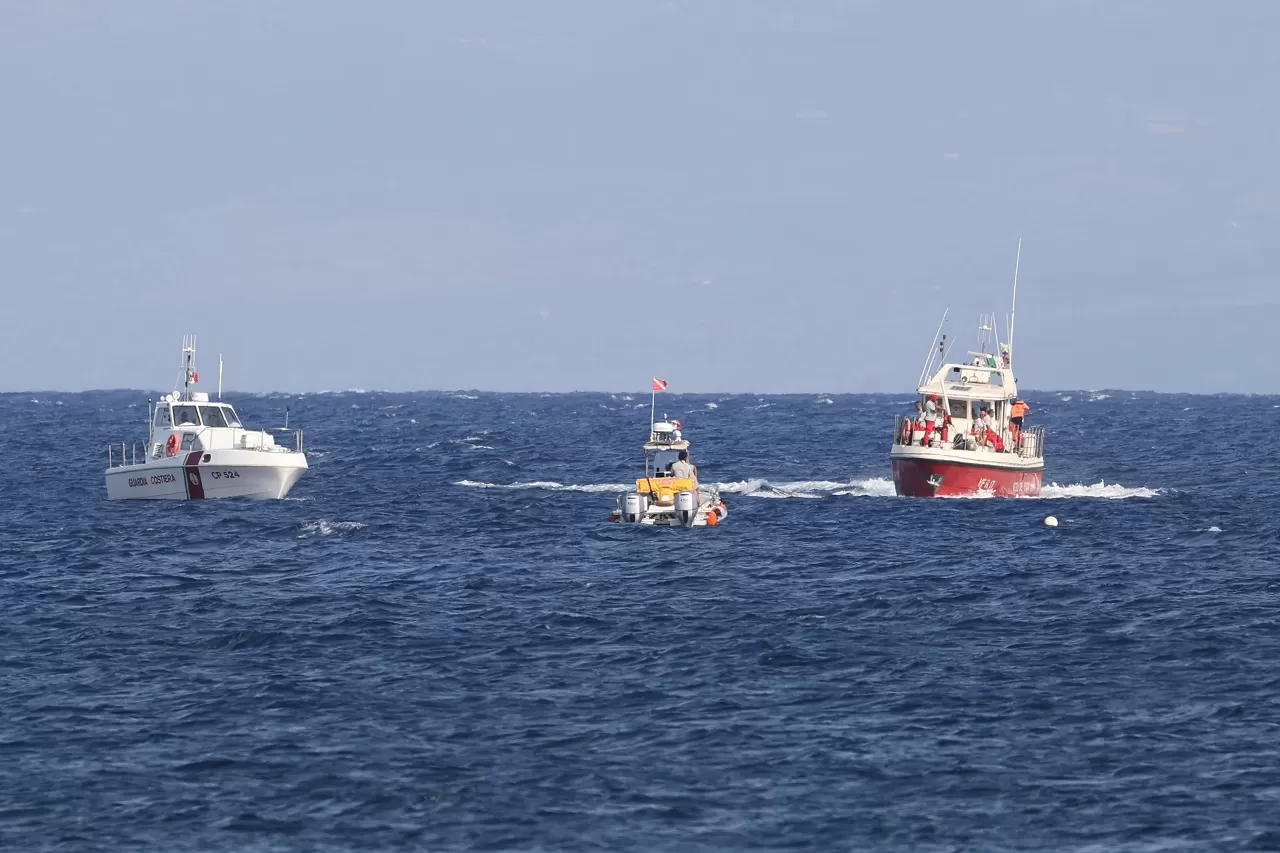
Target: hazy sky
736	195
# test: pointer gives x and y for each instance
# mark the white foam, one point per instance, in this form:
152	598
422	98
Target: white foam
327	528
878	487
809	489
1214	529
755	488
826	400
715	406
1112	491
546	484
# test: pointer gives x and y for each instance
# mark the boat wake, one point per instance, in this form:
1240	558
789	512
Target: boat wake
548	485
1053	491
880	487
810	489
756	488
1111	491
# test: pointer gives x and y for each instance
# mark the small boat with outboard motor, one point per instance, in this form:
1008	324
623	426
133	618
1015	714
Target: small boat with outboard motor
669	494
197	449
967	436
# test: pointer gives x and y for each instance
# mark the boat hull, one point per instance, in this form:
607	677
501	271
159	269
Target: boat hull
940	477
207	475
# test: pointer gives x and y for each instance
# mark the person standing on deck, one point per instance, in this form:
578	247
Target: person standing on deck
932	413
1017	412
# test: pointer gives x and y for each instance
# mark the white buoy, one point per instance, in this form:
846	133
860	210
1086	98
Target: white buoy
1050	521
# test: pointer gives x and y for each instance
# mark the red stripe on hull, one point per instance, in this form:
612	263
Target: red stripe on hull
195	484
927	478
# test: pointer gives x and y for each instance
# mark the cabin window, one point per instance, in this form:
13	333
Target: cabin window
162	417
185	415
232	420
212	416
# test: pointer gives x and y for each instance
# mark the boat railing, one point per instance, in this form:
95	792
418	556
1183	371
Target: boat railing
1031	442
129	454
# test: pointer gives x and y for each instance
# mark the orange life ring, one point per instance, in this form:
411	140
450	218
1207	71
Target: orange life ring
171	449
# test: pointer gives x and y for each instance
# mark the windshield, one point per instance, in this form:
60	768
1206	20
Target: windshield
662	460
185	415
232	420
212	416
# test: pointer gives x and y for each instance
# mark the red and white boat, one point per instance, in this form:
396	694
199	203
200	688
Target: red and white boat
963	441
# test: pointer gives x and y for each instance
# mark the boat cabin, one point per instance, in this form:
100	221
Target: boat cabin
660	451
963	390
186	422
663	448
952	400
194	413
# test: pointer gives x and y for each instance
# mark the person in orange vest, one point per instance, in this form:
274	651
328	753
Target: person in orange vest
1018	411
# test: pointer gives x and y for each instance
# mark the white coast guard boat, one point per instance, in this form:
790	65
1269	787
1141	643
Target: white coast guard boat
663	499
196	449
967	436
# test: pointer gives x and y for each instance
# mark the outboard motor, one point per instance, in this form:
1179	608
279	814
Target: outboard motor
634	505
686	508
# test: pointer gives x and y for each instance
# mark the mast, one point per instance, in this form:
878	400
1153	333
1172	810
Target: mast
928	362
219	377
189	375
1013	313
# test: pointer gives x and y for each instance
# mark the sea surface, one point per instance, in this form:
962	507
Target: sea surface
438	642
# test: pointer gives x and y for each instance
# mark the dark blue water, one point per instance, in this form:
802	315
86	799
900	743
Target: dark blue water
439	643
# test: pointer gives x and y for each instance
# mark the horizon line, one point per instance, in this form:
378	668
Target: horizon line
330	391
